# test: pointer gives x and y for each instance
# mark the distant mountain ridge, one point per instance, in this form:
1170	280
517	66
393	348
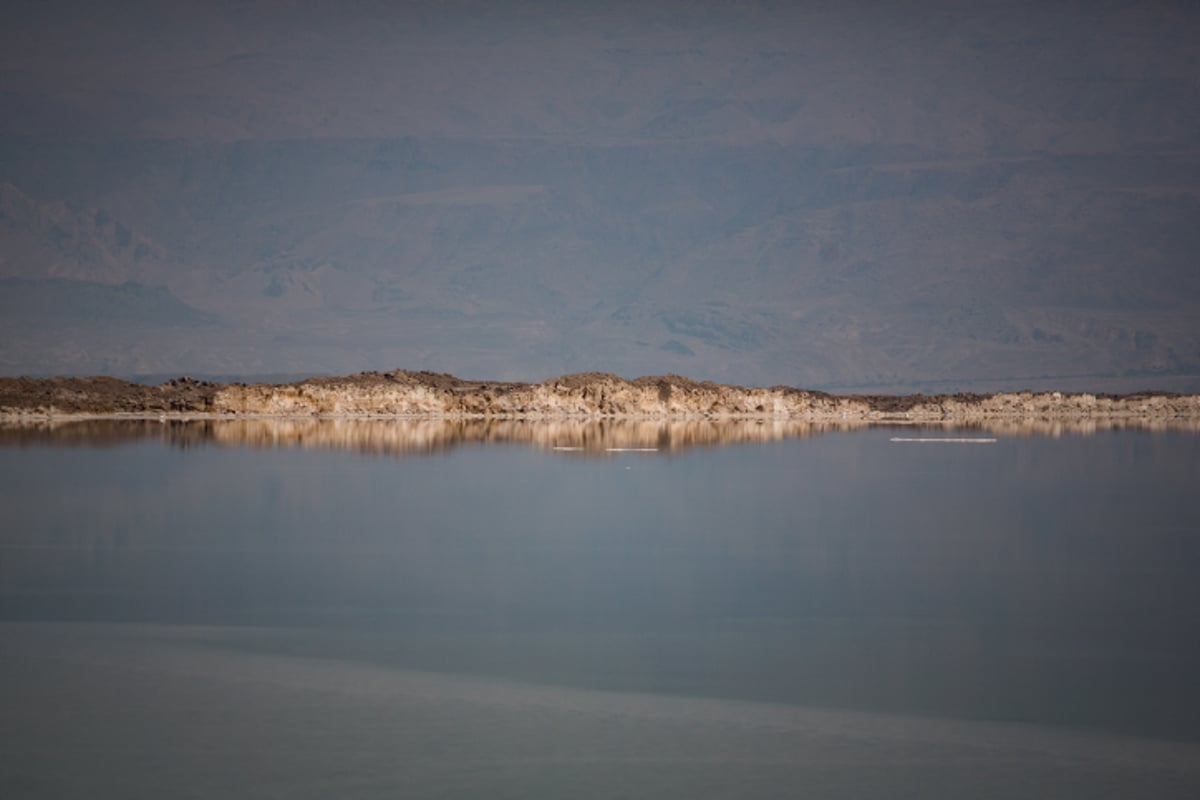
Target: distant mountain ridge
838	196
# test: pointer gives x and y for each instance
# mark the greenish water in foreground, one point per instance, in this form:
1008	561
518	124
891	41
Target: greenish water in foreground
835	615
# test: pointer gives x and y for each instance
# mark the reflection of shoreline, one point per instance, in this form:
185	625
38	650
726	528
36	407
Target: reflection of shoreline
589	437
415	436
565	436
1082	427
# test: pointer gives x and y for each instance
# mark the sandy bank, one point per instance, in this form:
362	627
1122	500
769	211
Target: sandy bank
589	395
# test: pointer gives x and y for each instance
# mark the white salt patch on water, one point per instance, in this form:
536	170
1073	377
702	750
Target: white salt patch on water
948	440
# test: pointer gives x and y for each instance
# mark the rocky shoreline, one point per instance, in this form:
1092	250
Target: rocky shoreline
587	395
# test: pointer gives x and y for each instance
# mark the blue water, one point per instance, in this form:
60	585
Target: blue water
357	612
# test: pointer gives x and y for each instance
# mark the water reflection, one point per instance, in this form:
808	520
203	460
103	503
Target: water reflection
577	437
409	436
1037	580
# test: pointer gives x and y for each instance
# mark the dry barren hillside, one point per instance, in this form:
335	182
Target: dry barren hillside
854	196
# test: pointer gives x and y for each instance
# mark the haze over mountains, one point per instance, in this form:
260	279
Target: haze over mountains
854	195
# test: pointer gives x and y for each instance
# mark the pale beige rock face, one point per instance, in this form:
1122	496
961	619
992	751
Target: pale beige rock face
606	397
583	396
597	395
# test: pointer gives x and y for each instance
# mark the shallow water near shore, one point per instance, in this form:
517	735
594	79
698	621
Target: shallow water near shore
376	609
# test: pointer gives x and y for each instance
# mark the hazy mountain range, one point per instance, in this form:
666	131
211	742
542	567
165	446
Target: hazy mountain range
899	196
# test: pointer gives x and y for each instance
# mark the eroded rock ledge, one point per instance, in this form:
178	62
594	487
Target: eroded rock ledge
591	395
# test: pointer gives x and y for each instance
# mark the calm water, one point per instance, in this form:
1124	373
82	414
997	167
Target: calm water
391	609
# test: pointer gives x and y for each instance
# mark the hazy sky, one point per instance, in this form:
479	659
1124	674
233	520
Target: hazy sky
920	195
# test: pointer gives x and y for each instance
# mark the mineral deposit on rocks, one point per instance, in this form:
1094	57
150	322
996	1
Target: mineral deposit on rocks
589	395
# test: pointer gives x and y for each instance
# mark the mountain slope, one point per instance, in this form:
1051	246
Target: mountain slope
938	195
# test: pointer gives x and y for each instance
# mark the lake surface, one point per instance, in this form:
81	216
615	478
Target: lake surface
420	609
